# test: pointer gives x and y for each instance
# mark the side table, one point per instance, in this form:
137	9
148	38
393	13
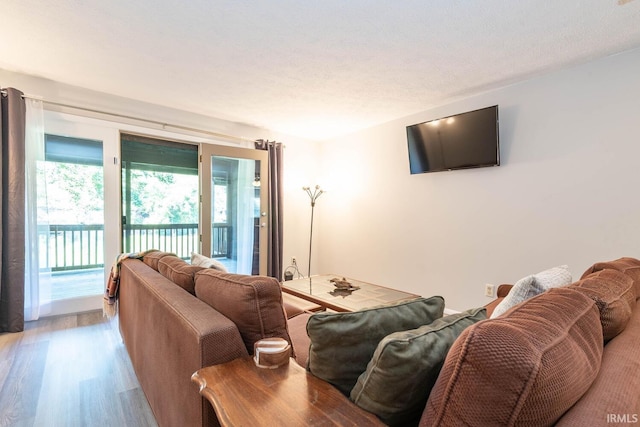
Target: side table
244	395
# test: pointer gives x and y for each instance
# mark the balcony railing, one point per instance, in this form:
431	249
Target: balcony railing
180	239
80	246
71	247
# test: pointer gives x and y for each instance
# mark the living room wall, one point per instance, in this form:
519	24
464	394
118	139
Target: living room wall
565	192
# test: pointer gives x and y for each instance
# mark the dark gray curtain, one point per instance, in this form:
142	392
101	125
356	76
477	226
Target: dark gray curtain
274	149
12	129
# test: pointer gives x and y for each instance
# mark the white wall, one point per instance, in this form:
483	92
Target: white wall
567	190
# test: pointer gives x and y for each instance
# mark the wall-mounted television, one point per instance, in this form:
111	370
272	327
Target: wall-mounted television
466	140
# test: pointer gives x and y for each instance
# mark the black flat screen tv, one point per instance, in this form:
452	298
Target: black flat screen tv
461	141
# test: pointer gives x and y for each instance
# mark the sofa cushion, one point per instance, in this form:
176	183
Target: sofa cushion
203	261
615	390
342	343
615	297
253	303
533	285
179	272
626	265
152	258
405	366
300	340
527	367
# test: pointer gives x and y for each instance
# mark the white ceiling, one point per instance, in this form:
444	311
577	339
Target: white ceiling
311	68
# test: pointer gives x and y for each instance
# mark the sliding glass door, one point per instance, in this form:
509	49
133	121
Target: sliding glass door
234	207
71	216
77	220
159	195
161	202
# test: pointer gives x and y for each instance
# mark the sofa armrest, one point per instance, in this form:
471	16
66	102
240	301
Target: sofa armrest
169	334
503	290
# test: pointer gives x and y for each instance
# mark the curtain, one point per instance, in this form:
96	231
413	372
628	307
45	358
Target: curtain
245	216
12	259
37	292
275	151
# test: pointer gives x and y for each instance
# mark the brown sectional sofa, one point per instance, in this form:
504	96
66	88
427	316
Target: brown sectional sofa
170	333
568	356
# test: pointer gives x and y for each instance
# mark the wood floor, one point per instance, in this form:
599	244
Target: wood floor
69	370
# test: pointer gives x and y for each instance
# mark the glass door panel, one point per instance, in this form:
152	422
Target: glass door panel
71	216
159	195
234	197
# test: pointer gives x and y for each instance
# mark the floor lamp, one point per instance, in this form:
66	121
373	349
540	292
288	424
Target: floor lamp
313	195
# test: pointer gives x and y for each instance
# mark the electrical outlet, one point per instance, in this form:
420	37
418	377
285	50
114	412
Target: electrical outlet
489	290
294	261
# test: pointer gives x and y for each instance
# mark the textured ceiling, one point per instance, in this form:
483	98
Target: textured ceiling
316	69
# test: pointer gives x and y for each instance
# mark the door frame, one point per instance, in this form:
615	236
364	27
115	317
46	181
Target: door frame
206	152
60	124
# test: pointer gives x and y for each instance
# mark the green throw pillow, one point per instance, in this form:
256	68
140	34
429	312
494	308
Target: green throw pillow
405	366
342	343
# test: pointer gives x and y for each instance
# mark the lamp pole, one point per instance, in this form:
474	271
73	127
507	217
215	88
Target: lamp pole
313	195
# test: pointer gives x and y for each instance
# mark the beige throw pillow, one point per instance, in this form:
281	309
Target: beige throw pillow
533	285
206	262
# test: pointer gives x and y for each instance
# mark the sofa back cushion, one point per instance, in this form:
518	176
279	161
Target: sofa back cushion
626	265
342	344
253	303
405	366
613	398
152	258
527	367
179	272
615	297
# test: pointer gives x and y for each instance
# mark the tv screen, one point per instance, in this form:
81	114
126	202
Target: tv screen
467	140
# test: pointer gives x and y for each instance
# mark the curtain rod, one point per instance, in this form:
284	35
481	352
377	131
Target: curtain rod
124	116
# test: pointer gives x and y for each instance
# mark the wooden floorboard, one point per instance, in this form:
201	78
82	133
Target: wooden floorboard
69	370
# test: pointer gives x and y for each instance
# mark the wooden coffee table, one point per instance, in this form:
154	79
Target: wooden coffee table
320	290
244	395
